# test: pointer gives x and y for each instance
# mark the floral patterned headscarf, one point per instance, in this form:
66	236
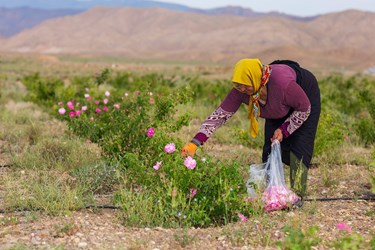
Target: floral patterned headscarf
252	72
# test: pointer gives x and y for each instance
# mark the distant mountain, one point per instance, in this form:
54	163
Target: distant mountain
87	4
240	11
17	15
343	39
13	21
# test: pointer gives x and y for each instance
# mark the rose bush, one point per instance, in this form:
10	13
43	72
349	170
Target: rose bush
135	128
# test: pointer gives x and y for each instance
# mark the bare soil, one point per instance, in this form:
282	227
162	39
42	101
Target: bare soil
101	229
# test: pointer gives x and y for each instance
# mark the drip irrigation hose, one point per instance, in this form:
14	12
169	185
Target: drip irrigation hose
365	198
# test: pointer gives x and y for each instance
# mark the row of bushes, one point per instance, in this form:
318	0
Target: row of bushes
134	119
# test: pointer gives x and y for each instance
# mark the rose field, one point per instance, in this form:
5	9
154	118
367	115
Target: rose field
90	158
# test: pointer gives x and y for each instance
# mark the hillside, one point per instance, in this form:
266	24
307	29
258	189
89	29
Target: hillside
337	40
13	21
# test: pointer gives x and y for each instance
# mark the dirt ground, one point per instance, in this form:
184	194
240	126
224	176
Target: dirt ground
101	229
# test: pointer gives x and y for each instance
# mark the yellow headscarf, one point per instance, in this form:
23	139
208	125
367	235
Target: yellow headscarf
249	72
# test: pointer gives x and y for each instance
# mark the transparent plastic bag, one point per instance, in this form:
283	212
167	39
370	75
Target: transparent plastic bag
277	195
257	179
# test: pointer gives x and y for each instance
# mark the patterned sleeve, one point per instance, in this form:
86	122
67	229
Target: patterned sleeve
214	121
227	108
294	121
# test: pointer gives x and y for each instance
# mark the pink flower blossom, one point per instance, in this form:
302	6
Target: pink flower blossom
107	93
116	106
87	96
98	110
278	197
105	108
96	102
78	112
343	226
157	165
137	92
62	111
105	101
169	148
72	114
70	103
193	192
60	103
84	108
150	132
71	107
190	163
242	217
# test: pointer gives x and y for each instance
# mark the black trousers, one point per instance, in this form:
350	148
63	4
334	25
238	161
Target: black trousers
301	142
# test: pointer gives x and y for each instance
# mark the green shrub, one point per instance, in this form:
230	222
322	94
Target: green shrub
211	193
350	241
42	91
352	99
365	124
297	239
330	134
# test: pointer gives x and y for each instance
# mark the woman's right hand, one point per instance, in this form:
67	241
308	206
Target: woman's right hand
189	149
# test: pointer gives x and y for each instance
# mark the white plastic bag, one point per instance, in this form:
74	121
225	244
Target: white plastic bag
277	195
257	179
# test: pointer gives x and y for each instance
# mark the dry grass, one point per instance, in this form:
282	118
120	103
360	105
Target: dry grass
24	125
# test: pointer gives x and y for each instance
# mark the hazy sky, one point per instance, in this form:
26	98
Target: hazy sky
294	7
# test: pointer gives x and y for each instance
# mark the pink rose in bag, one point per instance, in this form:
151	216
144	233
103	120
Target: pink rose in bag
277	195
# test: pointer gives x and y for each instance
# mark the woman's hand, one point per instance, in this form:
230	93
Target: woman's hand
277	135
189	149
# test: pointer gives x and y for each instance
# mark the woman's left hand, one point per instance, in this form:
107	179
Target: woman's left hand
277	135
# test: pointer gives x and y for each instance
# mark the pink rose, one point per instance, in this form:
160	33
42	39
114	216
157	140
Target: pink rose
242	217
150	132
190	163
169	148
157	165
62	111
343	226
193	192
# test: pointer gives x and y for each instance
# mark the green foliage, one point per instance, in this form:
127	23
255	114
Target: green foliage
53	195
42	91
353	99
54	153
299	239
102	77
351	241
98	179
209	92
212	193
365	125
117	111
330	134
